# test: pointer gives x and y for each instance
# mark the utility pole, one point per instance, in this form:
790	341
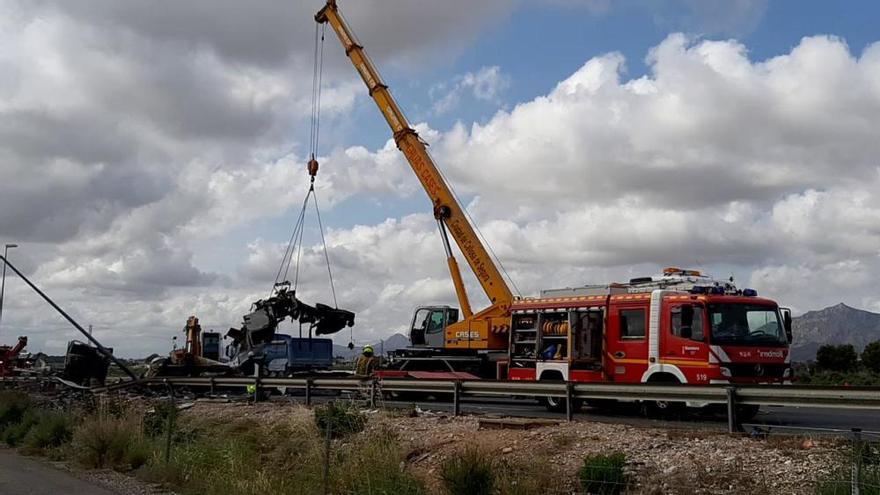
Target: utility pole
3	283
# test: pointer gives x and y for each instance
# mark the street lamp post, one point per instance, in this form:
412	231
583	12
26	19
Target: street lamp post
3	283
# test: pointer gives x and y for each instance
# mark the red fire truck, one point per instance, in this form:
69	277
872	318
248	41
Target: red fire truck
678	327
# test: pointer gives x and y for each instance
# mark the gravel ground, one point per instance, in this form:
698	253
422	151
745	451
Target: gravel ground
658	460
122	483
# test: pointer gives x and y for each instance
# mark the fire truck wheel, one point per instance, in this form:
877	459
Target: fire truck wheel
661	408
557	404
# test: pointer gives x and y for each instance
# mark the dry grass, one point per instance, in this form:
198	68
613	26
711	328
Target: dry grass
105	441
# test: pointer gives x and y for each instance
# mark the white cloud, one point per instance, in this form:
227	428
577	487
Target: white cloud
764	168
486	84
134	132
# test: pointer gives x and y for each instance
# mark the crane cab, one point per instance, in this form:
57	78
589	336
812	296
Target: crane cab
429	355
429	324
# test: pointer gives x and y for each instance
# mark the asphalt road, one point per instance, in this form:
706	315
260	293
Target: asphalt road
21	475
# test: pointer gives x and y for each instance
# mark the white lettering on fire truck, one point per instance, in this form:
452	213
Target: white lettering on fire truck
771	354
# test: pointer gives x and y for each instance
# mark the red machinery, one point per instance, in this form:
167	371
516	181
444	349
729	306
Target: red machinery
10	360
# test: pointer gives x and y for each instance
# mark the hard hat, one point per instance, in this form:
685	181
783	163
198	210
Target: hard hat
251	389
368	349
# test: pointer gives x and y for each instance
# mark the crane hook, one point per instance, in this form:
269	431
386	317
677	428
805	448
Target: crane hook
313	167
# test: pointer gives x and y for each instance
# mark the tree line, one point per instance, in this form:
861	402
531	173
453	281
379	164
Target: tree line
844	358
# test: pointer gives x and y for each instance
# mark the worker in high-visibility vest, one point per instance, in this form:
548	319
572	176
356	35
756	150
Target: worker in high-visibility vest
367	363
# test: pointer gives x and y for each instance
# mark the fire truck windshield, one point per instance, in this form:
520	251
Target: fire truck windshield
746	324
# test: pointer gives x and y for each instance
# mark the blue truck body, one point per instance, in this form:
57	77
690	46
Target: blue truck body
286	354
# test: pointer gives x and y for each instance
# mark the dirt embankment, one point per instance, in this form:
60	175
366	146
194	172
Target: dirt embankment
658	460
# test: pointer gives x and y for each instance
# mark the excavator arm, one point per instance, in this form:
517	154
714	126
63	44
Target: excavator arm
449	214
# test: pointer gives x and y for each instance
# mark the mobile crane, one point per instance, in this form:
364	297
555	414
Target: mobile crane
436	331
680	327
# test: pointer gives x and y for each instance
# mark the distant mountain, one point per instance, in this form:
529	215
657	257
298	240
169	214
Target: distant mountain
838	324
396	341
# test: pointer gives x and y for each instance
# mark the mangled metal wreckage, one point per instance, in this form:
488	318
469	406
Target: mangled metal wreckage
248	343
253	345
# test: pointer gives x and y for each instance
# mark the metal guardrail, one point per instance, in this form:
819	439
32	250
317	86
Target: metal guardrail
827	397
730	395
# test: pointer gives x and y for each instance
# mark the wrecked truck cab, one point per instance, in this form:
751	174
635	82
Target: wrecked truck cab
86	365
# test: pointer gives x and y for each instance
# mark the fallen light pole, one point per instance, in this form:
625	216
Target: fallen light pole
103	350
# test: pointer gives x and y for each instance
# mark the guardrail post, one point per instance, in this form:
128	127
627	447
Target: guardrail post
257	374
213	392
856	475
569	399
732	423
308	391
456	398
373	393
170	423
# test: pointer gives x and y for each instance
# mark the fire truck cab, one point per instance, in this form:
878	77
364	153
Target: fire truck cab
678	327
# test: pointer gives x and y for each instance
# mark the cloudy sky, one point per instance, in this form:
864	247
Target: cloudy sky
152	154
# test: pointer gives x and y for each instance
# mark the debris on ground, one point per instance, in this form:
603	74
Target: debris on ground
658	460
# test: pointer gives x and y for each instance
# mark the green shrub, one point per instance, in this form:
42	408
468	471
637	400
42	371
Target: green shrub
156	422
52	429
343	419
603	474
836	357
468	473
15	432
137	454
871	356
22	423
13	406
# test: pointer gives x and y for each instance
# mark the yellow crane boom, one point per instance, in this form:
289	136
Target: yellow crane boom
475	331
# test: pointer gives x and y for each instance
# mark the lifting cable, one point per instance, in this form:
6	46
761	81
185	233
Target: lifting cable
295	244
477	228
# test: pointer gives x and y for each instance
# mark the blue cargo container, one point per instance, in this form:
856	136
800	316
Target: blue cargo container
211	345
286	354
